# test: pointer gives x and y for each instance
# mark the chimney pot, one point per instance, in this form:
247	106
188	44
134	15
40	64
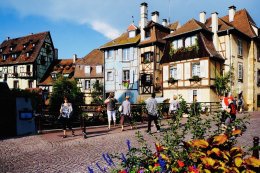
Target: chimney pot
164	22
7	38
74	58
143	21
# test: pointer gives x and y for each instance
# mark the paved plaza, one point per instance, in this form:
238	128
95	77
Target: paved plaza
49	152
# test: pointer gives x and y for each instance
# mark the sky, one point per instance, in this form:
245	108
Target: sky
79	26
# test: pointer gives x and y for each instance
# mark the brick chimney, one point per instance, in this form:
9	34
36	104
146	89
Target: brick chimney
214	25
203	17
143	21
155	16
231	13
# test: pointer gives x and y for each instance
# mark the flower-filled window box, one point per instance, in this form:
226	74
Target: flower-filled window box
172	80
195	78
126	83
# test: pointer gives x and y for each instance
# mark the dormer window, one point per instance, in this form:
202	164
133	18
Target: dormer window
54	75
131	34
28	54
147	33
190	41
14	56
4	57
11	48
177	44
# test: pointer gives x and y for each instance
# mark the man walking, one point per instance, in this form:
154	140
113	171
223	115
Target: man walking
151	106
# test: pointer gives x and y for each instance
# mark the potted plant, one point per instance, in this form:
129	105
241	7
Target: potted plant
195	78
172	80
126	83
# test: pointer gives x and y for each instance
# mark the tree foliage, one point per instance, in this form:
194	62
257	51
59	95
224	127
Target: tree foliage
97	93
63	87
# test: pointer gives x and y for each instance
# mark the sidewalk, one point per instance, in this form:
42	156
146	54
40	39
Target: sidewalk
49	152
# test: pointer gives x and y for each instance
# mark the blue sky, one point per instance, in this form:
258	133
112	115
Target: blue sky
79	26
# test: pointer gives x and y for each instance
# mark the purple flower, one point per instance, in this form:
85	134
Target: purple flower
99	167
128	144
104	156
123	158
110	160
90	170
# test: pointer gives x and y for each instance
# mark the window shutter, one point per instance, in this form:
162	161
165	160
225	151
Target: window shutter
87	69
106	54
120	55
202	69
120	77
92	81
83	84
179	71
132	76
187	70
131	54
165	73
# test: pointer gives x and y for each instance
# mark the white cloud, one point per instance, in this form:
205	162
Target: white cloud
105	29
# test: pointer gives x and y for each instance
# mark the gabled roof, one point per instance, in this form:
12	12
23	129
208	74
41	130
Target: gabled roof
59	67
21	46
93	59
122	40
173	26
191	25
132	27
242	22
158	32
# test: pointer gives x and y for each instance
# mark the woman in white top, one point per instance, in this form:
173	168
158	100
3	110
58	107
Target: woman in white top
126	112
66	112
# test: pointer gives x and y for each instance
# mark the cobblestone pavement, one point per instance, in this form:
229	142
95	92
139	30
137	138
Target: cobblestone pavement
49	152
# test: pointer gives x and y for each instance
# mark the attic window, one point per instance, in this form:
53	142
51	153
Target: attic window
131	34
28	54
11	48
14	55
87	69
4	57
147	34
99	69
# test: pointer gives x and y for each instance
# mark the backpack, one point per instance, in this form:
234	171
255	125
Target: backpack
233	109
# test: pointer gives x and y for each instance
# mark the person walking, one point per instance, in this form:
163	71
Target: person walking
240	103
126	113
111	112
174	106
66	117
151	106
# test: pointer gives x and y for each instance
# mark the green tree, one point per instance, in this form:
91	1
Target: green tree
64	87
97	93
222	84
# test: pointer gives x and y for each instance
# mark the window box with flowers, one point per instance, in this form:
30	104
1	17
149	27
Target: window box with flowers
126	83
172	80
195	78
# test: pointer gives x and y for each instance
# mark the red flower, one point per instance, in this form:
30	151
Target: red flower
123	171
180	163
156	164
193	169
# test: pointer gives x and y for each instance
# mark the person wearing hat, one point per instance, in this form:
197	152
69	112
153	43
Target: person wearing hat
111	105
126	112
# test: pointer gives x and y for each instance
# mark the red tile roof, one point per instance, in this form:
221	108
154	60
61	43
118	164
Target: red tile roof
131	27
61	66
20	47
173	26
242	22
93	59
191	25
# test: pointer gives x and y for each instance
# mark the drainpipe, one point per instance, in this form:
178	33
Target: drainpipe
230	59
